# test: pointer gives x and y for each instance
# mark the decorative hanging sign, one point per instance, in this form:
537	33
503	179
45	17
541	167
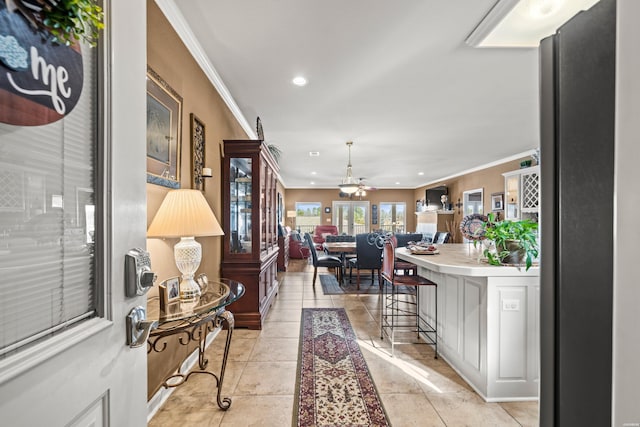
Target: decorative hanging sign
40	81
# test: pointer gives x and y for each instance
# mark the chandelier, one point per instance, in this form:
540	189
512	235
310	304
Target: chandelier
349	185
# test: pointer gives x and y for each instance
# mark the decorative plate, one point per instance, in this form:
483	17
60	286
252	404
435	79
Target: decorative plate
472	226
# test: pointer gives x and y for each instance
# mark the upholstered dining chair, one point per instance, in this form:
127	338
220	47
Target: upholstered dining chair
368	257
404	238
441	237
339	238
323	260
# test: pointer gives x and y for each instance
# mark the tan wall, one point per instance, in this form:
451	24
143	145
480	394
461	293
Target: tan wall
168	57
327	196
490	180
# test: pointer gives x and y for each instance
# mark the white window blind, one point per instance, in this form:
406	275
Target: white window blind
47	223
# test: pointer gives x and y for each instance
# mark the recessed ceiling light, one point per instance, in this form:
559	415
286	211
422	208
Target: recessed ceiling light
312	183
397	183
299	81
314	153
313	173
421	173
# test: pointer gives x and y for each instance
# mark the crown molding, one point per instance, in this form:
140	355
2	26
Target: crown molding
489	22
179	24
481	167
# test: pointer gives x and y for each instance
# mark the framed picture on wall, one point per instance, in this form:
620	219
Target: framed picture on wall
164	123
497	202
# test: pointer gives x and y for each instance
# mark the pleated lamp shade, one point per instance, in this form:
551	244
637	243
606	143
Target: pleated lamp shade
184	212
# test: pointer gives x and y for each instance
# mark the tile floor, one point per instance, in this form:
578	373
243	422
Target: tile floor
415	388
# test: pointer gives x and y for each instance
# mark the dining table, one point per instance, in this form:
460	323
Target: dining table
342	249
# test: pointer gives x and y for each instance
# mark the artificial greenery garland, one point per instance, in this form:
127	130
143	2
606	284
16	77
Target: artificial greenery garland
67	21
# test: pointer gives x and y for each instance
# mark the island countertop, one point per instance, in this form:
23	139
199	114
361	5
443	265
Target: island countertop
465	260
487	317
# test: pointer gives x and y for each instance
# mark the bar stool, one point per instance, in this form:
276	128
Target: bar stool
406	268
397	308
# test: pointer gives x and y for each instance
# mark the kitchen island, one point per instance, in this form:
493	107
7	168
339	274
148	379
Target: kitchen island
488	319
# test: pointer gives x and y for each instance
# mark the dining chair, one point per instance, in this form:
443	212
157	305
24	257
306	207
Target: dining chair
368	257
323	260
441	237
404	238
398	306
339	238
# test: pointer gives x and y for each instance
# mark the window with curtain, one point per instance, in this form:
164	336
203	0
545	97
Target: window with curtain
393	217
48	221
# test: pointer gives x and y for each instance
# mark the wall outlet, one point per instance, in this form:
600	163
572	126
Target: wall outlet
510	305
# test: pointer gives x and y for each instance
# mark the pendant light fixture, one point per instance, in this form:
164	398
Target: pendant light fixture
349	185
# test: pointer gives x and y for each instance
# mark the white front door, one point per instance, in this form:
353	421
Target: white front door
85	374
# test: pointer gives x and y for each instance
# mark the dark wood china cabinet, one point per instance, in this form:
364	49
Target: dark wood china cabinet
250	248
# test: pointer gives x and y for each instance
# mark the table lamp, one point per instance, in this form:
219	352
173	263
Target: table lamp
186	214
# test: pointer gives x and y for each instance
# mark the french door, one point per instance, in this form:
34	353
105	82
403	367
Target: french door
351	217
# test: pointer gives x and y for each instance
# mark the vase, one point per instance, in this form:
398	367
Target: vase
516	254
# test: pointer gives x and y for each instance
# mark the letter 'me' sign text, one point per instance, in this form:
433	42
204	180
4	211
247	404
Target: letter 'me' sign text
40	81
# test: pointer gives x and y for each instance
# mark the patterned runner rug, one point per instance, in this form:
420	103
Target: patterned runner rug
334	385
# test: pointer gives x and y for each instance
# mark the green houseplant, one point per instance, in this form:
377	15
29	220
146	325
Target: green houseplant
515	241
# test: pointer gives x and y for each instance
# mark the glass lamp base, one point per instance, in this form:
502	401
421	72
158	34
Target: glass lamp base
188	254
189	290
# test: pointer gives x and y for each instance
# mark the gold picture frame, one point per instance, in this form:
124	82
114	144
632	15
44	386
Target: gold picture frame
164	130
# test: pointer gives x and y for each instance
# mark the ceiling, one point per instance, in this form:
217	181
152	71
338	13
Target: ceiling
396	78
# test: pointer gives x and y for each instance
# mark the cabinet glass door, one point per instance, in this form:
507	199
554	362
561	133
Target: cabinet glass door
240	181
511	200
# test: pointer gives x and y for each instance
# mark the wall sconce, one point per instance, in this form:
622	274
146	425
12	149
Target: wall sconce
207	173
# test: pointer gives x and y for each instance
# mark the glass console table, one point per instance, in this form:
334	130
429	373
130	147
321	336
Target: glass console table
192	322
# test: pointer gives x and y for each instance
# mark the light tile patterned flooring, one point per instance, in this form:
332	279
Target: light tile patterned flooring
415	388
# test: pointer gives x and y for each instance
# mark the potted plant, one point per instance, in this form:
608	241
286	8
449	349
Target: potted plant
515	241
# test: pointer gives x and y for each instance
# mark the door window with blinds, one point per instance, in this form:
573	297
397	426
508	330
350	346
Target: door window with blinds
48	221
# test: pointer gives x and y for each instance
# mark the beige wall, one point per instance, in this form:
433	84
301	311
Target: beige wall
168	57
490	180
327	196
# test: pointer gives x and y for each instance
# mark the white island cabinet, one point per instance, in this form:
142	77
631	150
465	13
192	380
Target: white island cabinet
488	320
